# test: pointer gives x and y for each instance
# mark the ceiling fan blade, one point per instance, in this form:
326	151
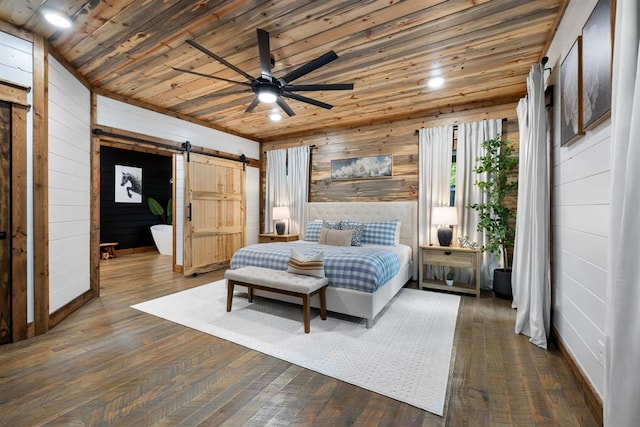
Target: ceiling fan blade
307	100
285	107
253	105
220	59
338	86
265	53
210	77
309	67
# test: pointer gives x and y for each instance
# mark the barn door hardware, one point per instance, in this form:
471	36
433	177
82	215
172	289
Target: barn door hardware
187	147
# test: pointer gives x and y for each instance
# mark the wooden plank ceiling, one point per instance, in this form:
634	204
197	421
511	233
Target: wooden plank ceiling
387	48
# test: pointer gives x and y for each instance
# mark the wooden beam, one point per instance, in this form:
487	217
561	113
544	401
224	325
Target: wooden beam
134	141
8	28
40	185
94	239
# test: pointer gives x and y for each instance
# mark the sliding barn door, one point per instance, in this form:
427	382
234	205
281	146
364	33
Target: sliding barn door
214	226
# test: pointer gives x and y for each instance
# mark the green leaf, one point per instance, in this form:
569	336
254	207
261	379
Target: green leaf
495	219
155	207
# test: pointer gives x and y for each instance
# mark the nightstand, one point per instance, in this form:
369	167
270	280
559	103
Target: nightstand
271	238
450	256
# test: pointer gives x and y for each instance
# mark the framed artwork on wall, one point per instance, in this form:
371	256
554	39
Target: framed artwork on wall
571	95
372	167
596	65
128	184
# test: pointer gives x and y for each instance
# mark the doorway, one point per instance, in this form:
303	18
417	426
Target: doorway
125	216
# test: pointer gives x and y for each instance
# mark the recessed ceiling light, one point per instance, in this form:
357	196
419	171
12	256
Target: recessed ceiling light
58	19
275	116
435	82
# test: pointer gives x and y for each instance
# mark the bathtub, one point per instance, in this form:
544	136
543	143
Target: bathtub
163	237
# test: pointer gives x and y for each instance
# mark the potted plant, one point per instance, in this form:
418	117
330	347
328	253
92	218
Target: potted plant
496	219
156	208
162	233
449	278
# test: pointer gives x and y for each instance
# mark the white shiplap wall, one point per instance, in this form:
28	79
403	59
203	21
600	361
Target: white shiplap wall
69	186
16	65
581	199
135	119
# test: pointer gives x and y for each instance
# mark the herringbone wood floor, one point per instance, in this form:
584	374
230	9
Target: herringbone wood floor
108	364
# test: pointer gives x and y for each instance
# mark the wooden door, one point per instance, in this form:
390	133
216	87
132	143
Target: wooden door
5	223
215	220
13	211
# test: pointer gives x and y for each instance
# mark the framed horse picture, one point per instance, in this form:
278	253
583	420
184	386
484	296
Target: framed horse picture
128	184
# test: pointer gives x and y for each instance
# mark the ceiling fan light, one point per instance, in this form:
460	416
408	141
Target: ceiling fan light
58	19
267	96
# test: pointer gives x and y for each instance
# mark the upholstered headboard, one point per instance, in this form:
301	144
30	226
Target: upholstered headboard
406	212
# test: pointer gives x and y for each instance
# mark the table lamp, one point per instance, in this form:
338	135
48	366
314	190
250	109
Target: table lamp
280	213
446	216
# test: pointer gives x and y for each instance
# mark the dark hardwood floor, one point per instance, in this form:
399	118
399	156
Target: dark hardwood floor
108	364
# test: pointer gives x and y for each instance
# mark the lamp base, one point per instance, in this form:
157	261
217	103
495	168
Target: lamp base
280	226
445	234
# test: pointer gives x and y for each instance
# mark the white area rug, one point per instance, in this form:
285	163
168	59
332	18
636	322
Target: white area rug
404	356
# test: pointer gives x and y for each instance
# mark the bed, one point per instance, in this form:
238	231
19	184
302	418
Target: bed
354	300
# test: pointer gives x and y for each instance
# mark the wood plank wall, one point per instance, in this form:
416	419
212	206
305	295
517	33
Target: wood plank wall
397	138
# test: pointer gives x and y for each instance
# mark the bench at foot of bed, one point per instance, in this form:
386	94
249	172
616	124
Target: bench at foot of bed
281	282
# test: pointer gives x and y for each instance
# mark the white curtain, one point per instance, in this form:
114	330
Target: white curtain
298	187
435	145
531	268
276	185
622	335
470	139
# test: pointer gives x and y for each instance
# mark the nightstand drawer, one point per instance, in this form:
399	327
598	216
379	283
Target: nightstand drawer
452	259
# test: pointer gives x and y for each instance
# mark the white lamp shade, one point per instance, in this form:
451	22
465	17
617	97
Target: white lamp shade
280	212
444	215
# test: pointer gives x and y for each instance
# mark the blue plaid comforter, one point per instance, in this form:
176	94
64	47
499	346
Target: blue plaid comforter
358	268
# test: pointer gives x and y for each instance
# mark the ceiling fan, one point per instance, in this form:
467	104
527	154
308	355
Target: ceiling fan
268	88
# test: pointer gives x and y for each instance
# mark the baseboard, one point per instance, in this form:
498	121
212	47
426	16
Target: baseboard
64	311
135	250
590	396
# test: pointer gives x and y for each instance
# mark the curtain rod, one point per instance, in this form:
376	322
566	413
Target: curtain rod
186	146
415	133
311	147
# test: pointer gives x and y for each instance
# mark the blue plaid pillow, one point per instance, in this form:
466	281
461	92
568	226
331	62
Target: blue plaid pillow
312	231
357	227
385	233
331	225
